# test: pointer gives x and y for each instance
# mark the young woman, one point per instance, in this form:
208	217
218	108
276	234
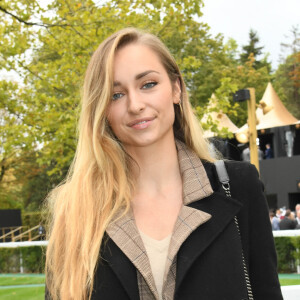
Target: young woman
141	214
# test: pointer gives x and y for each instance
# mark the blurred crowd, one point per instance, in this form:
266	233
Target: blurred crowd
285	219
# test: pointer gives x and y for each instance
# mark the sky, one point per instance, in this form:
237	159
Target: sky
272	19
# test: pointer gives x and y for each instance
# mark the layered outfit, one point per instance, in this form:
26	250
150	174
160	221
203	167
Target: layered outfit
205	254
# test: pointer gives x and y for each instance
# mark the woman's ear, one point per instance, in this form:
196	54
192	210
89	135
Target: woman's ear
176	92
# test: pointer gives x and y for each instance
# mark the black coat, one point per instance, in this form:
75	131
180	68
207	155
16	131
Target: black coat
286	224
209	262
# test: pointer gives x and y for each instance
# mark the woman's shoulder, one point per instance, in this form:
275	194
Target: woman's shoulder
242	171
240	168
241	174
244	180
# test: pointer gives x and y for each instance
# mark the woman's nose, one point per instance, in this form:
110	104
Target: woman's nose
135	102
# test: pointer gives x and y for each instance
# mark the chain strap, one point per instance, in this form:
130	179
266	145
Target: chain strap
226	188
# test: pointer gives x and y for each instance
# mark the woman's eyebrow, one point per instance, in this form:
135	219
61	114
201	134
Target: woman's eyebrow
137	77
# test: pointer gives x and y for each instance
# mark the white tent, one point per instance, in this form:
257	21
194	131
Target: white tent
277	116
220	118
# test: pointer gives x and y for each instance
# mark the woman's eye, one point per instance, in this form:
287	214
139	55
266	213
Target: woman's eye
117	96
149	85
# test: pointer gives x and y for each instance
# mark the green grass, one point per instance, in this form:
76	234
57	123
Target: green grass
284	282
19	279
22	293
289	279
37	293
33	293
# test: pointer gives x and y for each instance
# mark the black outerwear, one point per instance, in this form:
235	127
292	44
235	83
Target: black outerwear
287	224
209	262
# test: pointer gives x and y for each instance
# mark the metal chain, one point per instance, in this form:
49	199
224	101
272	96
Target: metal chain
226	188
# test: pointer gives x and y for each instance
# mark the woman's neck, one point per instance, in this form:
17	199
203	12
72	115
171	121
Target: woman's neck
157	198
156	169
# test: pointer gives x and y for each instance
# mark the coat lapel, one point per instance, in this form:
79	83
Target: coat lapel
125	235
222	209
122	267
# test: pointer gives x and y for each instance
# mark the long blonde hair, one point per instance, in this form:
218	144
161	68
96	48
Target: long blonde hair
99	183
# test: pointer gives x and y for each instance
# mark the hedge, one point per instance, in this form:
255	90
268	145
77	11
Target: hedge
32	219
34	257
286	254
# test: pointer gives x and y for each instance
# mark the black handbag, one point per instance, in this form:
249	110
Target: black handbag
224	180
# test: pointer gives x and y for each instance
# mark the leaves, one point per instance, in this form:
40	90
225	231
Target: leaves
49	47
286	83
287	76
252	50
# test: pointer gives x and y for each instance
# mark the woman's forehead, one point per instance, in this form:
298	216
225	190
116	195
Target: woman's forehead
135	59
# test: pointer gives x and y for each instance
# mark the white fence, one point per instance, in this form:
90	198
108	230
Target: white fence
23	244
293	232
277	233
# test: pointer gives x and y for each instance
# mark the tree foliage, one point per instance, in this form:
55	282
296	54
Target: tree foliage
287	76
237	76
254	50
49	48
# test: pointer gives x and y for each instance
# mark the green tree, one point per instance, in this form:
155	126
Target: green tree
60	44
49	47
256	51
287	84
235	77
287	76
293	46
26	183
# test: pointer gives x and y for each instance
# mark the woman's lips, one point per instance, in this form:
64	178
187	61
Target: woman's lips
141	123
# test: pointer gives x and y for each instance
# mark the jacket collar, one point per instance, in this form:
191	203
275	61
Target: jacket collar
125	235
196	184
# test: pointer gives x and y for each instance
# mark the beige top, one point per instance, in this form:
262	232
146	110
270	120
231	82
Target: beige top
157	251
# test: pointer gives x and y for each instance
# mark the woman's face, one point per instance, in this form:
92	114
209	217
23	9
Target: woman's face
141	111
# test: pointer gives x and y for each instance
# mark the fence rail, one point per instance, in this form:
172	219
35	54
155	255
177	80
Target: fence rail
17	252
279	233
23	244
10	233
292	232
21	233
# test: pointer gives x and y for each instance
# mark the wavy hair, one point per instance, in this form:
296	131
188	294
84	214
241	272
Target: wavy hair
99	183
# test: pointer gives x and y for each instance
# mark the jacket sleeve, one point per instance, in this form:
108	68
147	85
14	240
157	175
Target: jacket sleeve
256	233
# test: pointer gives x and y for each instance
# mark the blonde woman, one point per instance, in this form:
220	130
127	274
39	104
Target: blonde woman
141	214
